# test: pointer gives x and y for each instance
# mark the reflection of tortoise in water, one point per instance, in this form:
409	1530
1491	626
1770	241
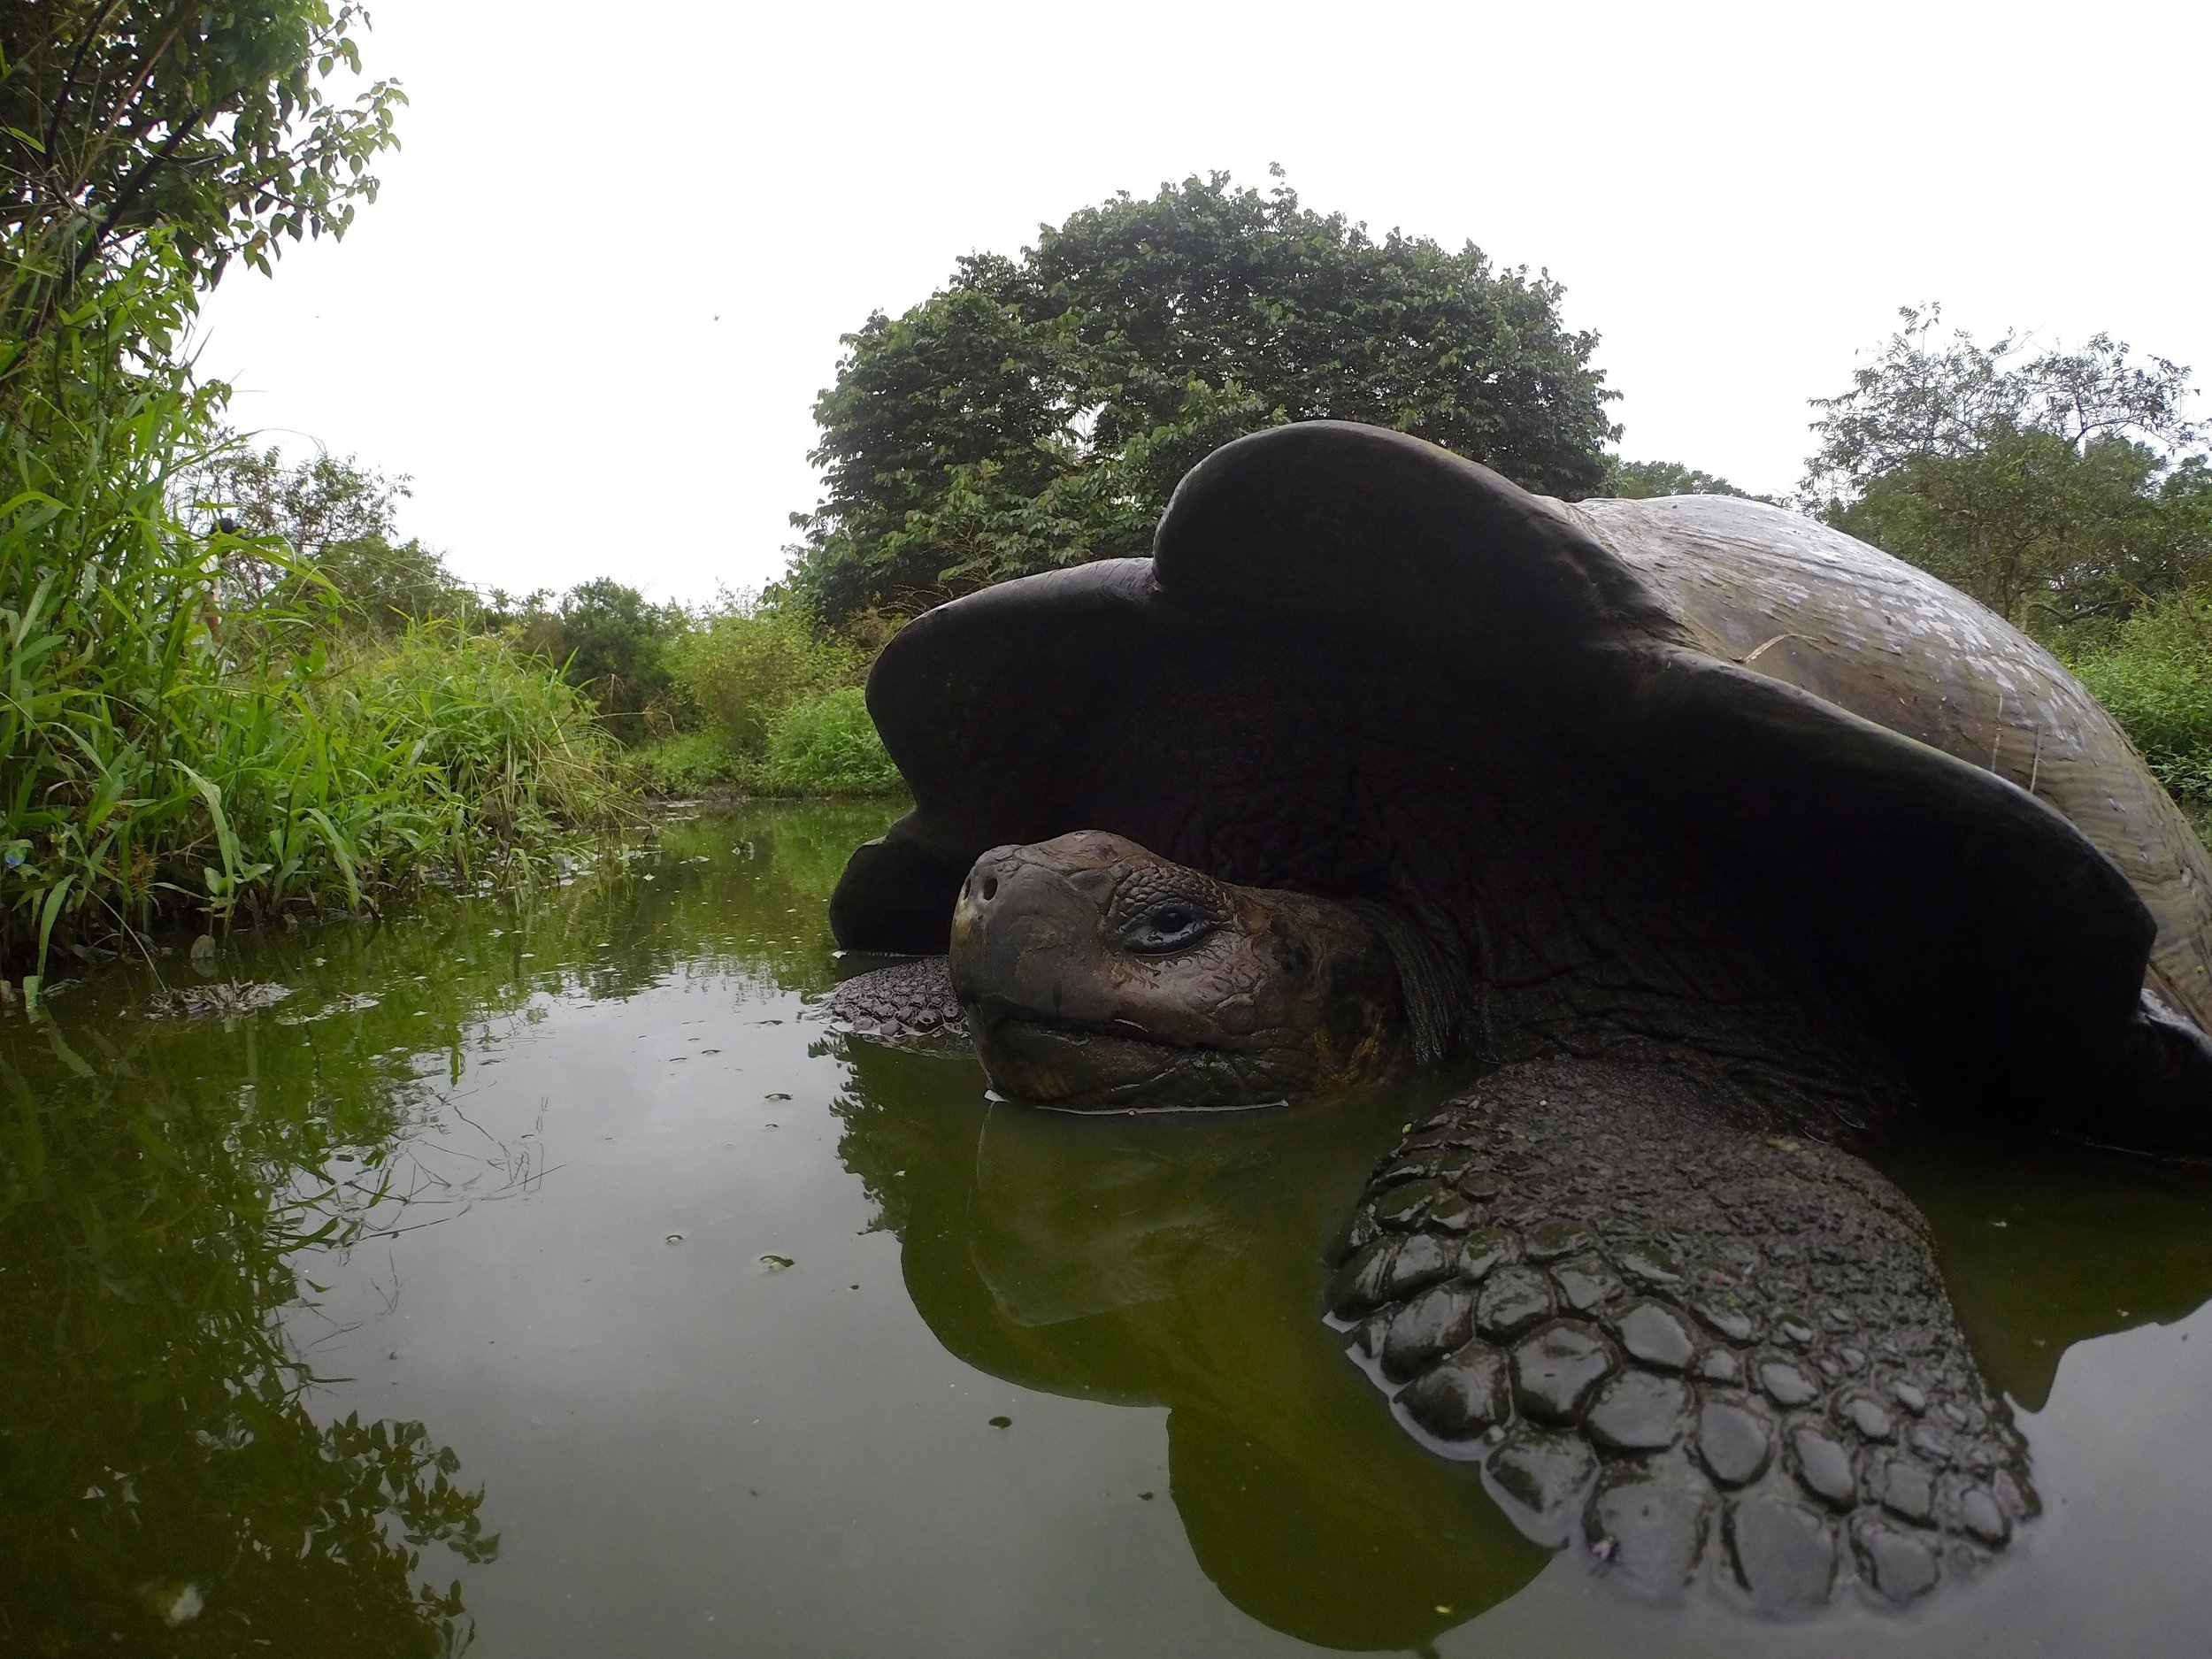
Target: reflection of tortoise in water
1739	834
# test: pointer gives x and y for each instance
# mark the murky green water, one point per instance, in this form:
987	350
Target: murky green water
547	1277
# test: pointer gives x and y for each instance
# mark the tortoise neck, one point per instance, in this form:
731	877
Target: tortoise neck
1433	986
1575	977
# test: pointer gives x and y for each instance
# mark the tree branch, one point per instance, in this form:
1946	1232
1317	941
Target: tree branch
128	197
69	79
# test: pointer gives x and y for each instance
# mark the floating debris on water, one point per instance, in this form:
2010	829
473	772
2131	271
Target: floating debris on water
775	1264
223	1000
174	1602
352	1004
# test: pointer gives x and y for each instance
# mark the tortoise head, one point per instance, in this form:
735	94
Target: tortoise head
1098	976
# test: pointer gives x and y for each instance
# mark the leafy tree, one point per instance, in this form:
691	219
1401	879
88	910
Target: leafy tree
1640	480
204	123
1038	410
336	520
614	644
315	504
2060	489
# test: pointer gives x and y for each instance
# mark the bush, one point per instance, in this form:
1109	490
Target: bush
2156	680
614	644
745	664
691	764
827	745
824	746
516	747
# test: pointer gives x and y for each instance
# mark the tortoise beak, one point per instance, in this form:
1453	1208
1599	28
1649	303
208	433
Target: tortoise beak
1019	928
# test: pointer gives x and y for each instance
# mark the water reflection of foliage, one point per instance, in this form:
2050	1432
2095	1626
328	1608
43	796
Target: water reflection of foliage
162	1483
168	1187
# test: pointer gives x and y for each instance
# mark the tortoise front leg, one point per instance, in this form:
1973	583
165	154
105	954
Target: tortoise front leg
1690	1350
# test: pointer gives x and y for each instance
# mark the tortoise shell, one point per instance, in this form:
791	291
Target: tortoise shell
1575	742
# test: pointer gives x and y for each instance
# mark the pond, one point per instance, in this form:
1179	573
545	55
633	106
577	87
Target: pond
543	1275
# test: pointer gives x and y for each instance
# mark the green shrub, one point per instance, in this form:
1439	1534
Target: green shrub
823	746
691	764
2156	680
827	745
741	666
614	642
516	747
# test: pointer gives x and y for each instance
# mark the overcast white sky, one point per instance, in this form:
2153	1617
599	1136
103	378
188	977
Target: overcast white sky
609	270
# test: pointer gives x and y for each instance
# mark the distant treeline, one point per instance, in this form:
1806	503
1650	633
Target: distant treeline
749	694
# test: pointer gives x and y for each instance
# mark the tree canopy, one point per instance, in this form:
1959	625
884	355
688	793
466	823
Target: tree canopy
327	519
2060	488
1037	410
613	641
205	121
1640	480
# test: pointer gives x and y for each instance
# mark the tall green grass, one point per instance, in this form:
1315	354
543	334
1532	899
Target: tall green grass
827	745
173	746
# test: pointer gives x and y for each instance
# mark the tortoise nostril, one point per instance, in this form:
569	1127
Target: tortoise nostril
990	888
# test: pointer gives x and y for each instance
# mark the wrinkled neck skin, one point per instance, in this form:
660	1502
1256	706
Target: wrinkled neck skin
1097	976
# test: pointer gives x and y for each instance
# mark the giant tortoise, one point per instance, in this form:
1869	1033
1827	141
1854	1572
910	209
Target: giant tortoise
1726	843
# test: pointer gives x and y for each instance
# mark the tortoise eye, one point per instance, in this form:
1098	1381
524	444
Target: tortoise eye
1168	927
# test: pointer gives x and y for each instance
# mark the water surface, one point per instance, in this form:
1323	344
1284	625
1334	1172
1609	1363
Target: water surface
543	1277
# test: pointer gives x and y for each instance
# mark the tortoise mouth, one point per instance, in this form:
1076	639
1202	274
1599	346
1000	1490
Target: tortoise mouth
1102	1065
1034	1022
